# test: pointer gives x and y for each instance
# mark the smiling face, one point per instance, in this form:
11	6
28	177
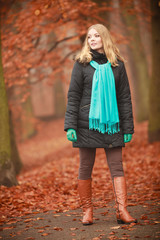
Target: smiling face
95	41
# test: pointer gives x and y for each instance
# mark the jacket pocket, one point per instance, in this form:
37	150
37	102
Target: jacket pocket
84	112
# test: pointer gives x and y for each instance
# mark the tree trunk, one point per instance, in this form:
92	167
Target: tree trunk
140	64
14	151
59	99
7	171
27	126
144	29
154	93
104	15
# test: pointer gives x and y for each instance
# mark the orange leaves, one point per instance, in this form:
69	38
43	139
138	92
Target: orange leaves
116	227
44	234
23	28
63	9
73	229
37	12
29	238
57	229
49	180
144	217
6	228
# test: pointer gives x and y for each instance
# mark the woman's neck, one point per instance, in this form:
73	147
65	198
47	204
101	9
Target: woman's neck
100	51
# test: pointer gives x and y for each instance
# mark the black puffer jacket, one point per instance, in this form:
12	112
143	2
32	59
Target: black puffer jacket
79	97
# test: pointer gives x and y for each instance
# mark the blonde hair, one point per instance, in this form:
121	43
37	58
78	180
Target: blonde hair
111	51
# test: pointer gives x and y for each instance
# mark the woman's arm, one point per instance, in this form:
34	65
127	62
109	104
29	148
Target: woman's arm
74	97
124	102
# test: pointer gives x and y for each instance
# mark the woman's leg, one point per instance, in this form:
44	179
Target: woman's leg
114	159
87	158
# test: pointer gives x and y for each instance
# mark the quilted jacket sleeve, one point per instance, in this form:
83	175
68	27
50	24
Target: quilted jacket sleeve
124	102
74	97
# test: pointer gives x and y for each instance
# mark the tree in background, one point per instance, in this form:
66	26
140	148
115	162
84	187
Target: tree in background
28	24
9	159
34	39
154	89
130	13
23	23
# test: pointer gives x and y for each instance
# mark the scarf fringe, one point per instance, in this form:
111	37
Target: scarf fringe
94	124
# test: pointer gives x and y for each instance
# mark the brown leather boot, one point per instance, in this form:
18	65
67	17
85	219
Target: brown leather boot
85	193
120	189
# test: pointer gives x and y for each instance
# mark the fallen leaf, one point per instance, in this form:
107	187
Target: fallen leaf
73	234
6	228
41	231
116	227
27	220
45	234
144	217
37	12
57	228
29	238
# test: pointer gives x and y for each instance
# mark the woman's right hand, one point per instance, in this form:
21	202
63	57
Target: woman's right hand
71	135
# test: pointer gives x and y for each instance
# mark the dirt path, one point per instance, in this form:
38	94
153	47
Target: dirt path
45	205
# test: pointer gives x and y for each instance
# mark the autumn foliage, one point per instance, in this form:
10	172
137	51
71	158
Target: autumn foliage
49	179
38	37
24	23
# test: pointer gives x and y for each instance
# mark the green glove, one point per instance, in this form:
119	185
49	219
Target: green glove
127	137
71	135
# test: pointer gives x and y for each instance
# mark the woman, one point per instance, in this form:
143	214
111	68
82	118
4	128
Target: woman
99	115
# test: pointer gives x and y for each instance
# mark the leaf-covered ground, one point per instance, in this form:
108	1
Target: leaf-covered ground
48	180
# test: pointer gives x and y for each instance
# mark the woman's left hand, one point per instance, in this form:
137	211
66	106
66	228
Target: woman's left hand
127	137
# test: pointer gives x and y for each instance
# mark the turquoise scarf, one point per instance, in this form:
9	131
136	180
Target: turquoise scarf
103	115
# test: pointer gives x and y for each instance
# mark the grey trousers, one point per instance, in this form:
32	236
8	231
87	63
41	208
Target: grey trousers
87	159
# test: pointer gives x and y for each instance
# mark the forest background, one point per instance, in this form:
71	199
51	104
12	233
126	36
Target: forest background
38	42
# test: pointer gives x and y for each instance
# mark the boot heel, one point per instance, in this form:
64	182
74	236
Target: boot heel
87	223
120	189
119	221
